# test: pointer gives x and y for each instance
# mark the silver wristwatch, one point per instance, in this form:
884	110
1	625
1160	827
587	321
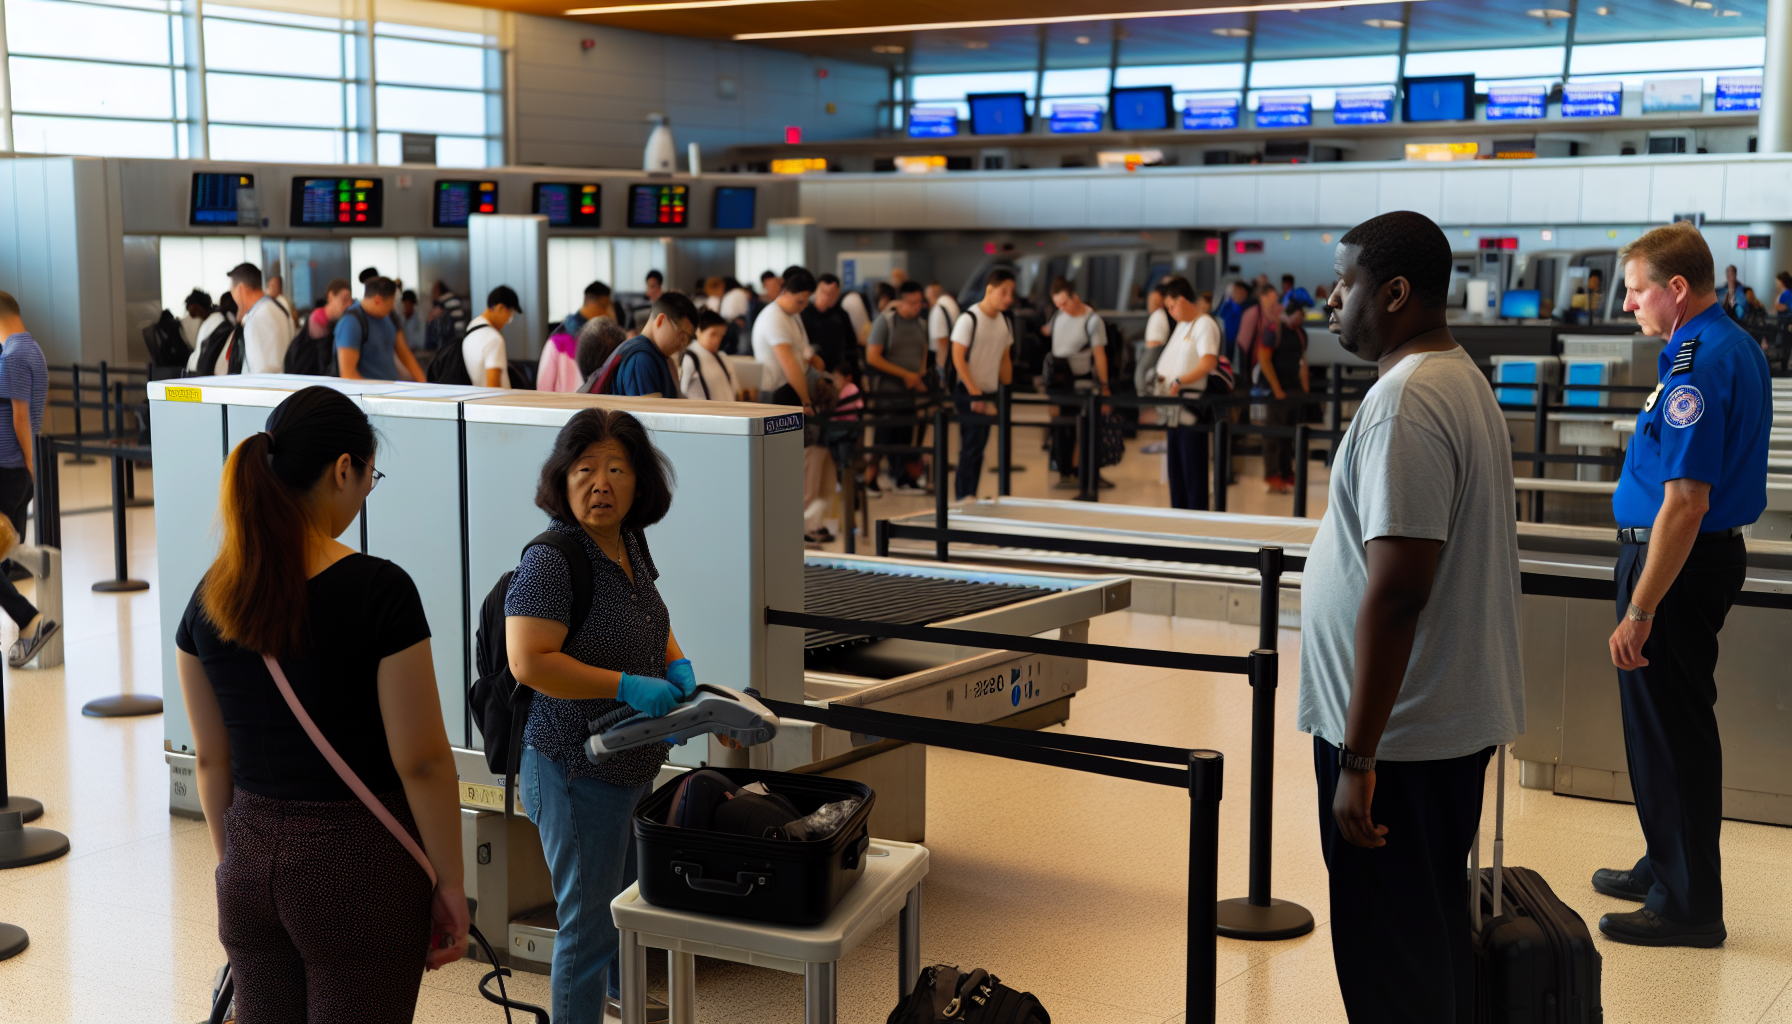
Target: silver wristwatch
1635	614
1357	761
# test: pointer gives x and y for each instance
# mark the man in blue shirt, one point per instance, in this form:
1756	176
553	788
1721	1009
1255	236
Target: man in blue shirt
1231	311
642	365
1291	293
25	385
1695	475
369	344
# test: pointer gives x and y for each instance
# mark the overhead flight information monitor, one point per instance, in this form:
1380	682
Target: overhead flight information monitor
1144	109
1592	99
1517	102
567	204
998	113
455	200
932	122
1363	106
1445	98
338	202
1285	111
214	198
658	206
1208	112
735	208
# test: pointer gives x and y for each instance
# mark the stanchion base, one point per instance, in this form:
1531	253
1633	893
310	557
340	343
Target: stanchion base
1240	919
119	586
13	941
29	809
21	845
123	705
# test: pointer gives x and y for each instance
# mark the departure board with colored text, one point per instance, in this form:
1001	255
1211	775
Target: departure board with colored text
658	206
337	202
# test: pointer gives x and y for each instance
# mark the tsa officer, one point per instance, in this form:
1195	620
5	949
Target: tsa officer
1696	474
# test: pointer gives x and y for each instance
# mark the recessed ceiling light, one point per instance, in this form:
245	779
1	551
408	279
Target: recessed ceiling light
1729	14
975	44
1232	33
1701	5
1082	40
1547	13
1385	23
886	48
1603	12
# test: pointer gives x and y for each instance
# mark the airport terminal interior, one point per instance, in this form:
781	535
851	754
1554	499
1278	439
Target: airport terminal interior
1022	618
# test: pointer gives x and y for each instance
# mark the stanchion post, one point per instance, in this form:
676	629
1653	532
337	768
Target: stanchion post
78	459
1302	472
883	538
105	402
1259	916
1004	441
1085	449
941	481
1541	441
1334	390
849	501
121	581
1206	782
1222	457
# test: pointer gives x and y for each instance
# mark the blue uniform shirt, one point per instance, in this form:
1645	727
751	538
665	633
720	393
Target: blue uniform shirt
1709	422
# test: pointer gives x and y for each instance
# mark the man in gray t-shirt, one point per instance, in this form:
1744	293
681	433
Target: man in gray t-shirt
897	356
1410	671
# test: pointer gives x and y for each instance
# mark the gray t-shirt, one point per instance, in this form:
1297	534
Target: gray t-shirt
1427	456
904	342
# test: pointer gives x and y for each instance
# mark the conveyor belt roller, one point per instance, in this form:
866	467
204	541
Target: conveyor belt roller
887	597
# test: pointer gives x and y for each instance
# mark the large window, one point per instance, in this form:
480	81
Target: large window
284	80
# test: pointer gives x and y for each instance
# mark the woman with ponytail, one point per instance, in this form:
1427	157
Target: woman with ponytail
324	914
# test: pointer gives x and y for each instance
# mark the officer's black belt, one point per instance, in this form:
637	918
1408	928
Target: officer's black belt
1640	534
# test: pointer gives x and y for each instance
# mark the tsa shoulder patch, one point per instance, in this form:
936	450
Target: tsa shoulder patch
1685	406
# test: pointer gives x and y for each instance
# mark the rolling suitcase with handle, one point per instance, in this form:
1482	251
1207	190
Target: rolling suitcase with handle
1534	958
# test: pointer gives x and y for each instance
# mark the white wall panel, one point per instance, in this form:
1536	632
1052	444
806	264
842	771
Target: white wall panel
812	199
1117	202
1686	188
1288	200
951	204
1348	198
899	204
1545	195
849	204
1477	197
1756	192
1229	199
1005	202
1614	195
1061	202
1172	201
1418	191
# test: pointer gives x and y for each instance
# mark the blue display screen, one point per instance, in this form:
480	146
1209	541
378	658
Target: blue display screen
932	122
1601	99
734	208
998	113
1741	92
1142	110
1284	111
214	197
1200	114
1363	106
1076	117
1521	304
1517	102
1440	99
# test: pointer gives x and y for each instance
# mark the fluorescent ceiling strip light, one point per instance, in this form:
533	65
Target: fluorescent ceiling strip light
682	5
1004	22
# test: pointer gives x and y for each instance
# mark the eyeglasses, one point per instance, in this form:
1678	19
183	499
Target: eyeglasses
377	475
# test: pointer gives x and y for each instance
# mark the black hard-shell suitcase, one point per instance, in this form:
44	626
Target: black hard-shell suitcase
774	880
1534	957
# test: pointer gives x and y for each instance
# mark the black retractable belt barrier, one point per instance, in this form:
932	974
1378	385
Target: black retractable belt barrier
1201	772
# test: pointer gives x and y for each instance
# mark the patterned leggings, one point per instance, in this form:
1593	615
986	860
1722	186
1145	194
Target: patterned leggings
324	916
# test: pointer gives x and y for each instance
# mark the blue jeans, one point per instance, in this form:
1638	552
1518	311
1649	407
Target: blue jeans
589	842
973	438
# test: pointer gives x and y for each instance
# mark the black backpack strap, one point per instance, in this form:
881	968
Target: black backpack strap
578	568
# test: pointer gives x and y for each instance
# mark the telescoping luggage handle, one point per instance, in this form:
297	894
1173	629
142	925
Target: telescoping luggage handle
1499	846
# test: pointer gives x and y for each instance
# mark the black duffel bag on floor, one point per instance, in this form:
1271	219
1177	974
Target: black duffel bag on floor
943	995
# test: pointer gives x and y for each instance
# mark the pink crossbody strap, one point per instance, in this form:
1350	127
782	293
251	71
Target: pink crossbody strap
346	773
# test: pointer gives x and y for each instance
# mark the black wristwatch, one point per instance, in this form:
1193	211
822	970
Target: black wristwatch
1357	761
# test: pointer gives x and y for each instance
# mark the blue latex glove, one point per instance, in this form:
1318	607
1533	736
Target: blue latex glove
682	675
654	697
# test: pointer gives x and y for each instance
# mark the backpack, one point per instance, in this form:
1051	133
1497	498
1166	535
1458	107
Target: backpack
316	357
448	365
213	345
943	995
163	339
500	705
448	326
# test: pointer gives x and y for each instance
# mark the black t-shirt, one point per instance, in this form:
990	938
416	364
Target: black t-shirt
362	610
832	337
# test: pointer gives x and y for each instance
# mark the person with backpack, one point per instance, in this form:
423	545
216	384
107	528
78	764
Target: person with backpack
266	325
982	347
214	339
292	641
312	349
643	366
897	356
598	341
1079	362
1282	365
482	350
370	346
1190	364
602	484
704	374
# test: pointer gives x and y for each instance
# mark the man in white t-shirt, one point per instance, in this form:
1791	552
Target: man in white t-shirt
266	326
483	348
1410	669
943	313
1184	367
781	345
981	345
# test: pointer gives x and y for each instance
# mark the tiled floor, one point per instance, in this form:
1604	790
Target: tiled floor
1070	885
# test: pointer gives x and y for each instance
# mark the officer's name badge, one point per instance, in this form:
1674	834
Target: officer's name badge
1649	403
1685	406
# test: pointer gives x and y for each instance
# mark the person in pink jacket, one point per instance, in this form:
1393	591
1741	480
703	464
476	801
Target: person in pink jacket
559	370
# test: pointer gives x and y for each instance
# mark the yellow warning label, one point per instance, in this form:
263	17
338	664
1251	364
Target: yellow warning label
182	394
487	798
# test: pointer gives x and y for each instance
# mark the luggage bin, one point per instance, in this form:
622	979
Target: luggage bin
774	880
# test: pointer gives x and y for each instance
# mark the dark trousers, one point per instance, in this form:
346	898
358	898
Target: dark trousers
323	915
1670	729
972	439
1400	925
15	500
1187	463
1278	452
1068	439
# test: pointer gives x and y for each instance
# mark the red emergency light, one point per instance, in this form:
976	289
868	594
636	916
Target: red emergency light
1213	247
1254	245
1754	241
1509	244
793	135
